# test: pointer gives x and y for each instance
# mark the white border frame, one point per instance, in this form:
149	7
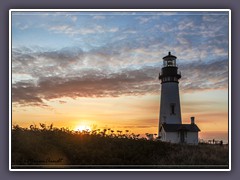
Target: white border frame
120	10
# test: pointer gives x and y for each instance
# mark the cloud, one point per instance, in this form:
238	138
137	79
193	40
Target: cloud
146	19
43	63
114	29
186	25
62	102
196	76
74	18
143	20
183	41
99	17
70	16
213	27
137	82
24	93
74	30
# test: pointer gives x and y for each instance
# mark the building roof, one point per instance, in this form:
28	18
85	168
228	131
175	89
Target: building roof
169	57
180	127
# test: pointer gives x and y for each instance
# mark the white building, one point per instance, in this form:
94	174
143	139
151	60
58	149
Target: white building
179	133
171	128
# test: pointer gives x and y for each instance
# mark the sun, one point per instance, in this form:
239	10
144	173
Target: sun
82	128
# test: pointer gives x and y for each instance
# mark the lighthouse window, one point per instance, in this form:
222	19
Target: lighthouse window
170	63
172	108
164	63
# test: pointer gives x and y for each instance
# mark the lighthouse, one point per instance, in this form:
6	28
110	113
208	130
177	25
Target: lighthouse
171	128
170	109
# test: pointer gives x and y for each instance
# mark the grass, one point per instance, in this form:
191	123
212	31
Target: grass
52	147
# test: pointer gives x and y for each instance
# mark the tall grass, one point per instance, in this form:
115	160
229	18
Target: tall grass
53	146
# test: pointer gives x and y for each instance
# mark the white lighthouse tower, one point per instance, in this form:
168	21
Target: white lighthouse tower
171	128
170	110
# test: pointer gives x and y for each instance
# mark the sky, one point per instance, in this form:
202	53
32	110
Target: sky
100	69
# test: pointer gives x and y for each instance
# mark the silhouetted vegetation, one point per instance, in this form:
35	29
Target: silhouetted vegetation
53	146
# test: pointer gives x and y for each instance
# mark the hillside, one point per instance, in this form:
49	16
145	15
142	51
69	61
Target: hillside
62	148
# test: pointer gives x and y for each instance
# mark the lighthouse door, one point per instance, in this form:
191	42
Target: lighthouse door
182	140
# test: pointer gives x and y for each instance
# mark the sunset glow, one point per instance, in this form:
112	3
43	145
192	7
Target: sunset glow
88	71
82	128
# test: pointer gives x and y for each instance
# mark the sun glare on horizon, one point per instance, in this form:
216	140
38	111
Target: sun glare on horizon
82	128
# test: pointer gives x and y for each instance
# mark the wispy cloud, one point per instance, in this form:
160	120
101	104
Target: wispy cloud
186	25
99	17
21	26
74	18
204	76
72	30
146	19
